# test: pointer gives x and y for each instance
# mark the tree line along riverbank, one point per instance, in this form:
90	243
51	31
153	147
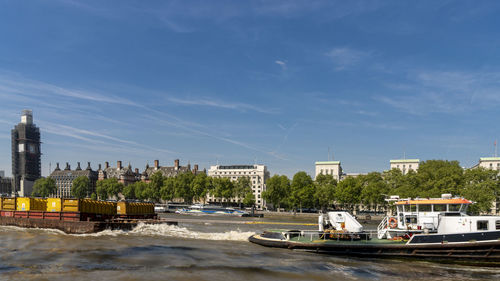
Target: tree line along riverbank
301	192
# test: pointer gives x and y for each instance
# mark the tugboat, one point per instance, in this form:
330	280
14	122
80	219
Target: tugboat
432	228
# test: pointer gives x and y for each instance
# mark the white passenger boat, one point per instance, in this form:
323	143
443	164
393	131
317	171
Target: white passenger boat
201	209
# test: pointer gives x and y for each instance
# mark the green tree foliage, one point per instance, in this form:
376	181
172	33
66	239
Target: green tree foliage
129	191
481	186
93	196
348	192
249	199
435	177
141	190
81	187
325	190
154	187
242	187
44	187
167	191
223	188
109	188
183	186
200	187
374	189
302	191
277	190
102	191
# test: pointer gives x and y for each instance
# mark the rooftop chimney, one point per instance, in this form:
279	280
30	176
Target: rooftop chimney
137	171
195	168
176	164
106	165
157	164
78	167
88	167
57	167
119	165
100	167
67	167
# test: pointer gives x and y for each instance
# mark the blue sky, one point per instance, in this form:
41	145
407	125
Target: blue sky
272	82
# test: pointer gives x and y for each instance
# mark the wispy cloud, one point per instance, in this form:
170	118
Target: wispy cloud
281	63
220	104
345	57
33	88
448	92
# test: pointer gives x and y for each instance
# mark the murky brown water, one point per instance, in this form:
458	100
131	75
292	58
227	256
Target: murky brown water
201	250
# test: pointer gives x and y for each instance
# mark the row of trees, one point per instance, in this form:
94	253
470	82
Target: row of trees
185	186
433	178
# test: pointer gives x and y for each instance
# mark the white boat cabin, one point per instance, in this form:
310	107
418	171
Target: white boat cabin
424	214
445	215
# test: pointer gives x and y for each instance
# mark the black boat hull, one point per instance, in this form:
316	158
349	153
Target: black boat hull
483	253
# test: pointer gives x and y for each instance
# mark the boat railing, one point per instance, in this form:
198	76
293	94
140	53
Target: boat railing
382	227
313	235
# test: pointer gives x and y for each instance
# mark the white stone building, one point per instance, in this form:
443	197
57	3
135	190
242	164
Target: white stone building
492	163
329	168
258	175
405	165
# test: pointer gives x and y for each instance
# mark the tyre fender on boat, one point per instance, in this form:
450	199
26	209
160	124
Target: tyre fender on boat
393	222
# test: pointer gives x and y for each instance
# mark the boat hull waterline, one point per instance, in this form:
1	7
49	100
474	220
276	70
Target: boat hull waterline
486	252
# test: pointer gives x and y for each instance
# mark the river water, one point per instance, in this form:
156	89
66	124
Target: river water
199	248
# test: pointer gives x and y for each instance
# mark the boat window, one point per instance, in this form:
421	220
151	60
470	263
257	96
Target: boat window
482	225
411	219
439	208
497	225
400	209
454	207
424	208
413	208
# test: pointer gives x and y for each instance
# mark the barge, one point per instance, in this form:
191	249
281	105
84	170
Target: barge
76	216
435	229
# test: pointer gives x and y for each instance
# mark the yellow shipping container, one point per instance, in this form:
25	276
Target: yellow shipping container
121	208
31	204
71	205
9	204
54	204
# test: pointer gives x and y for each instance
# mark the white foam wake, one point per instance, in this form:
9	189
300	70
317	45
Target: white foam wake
160	230
165	230
181	232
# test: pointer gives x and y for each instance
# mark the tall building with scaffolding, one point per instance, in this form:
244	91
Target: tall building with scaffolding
26	155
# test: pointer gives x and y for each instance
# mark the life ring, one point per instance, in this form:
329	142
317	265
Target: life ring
393	222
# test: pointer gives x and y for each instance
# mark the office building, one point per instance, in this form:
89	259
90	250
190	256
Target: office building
64	179
405	165
169	171
329	168
124	175
258	175
492	163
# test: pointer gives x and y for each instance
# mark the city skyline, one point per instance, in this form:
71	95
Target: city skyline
243	83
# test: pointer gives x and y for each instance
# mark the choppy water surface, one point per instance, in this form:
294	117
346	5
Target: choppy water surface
195	251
